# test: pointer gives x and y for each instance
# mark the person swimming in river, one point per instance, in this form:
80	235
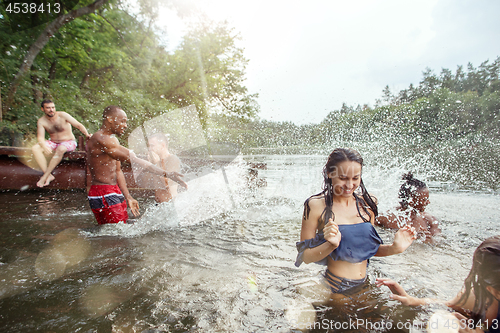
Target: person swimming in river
338	225
414	195
479	297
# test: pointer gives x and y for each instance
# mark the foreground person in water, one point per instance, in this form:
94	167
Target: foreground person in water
414	195
480	296
109	191
348	239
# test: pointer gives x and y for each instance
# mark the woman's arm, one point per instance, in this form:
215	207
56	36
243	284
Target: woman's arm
309	228
402	240
433	224
399	294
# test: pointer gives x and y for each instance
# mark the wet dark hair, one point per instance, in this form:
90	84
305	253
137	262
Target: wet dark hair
485	271
45	101
366	202
409	188
110	110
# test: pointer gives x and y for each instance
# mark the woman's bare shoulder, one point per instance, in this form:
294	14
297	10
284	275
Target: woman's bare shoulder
313	207
316	201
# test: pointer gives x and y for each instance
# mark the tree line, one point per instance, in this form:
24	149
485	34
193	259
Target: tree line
103	52
446	127
445	107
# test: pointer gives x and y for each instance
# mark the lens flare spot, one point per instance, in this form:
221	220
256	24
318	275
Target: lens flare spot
26	157
300	315
74	246
67	249
50	264
99	300
443	322
252	283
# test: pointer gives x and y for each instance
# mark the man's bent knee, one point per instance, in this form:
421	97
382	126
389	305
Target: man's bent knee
36	148
60	150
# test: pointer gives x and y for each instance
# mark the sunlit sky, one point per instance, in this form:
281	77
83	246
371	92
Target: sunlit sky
306	58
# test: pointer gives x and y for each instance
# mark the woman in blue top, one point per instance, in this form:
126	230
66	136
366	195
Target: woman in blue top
480	296
349	239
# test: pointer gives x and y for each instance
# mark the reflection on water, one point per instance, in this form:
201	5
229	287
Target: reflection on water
204	265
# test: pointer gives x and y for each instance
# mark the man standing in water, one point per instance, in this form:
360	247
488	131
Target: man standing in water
160	156
58	125
109	191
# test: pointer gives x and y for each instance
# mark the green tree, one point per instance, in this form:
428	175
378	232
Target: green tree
114	57
33	50
208	71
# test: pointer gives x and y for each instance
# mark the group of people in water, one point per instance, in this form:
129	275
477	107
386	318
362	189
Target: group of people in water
338	231
338	224
108	195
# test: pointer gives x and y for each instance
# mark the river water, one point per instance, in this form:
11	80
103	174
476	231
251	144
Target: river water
221	258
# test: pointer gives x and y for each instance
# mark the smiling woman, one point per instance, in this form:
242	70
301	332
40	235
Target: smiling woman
337	225
345	178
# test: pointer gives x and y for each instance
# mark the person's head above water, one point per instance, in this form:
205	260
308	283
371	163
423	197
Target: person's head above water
158	143
342	172
484	277
342	177
114	119
413	193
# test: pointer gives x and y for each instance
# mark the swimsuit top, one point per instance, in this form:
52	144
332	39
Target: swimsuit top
359	242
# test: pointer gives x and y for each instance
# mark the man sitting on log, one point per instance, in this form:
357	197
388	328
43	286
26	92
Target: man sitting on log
58	125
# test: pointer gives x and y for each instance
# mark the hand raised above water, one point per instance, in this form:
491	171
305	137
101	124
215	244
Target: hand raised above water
176	177
404	237
398	293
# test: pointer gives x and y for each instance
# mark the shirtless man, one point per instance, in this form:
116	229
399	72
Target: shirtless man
414	195
58	125
160	156
109	191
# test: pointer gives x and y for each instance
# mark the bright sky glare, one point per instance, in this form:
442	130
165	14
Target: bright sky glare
307	58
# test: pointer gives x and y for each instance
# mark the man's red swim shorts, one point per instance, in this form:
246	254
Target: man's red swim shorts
108	204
